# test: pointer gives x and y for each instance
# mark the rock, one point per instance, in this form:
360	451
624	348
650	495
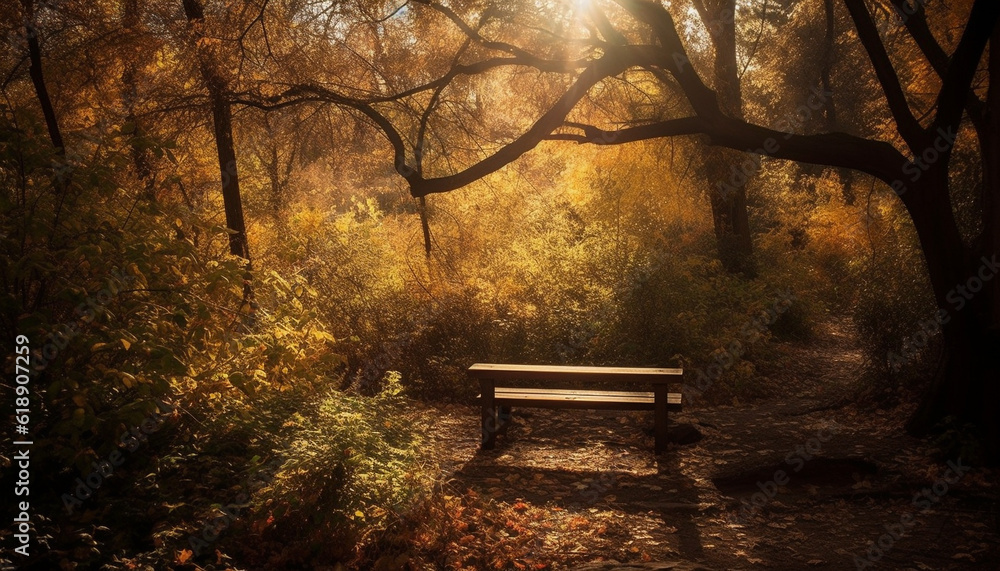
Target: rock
684	434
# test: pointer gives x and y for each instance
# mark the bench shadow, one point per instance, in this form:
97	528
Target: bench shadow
549	467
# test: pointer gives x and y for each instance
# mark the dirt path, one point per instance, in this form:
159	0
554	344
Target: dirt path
571	487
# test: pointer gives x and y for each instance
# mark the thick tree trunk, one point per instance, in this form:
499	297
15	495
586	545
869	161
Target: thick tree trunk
990	148
967	289
966	385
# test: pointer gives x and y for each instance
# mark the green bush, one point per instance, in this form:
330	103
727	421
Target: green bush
350	472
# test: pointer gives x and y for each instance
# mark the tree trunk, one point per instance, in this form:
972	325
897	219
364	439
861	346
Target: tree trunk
222	122
829	106
728	171
966	386
990	148
141	162
729	215
222	119
272	163
38	79
964	280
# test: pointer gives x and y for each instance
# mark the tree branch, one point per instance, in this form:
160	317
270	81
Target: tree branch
612	63
957	82
596	136
916	25
829	149
906	124
674	57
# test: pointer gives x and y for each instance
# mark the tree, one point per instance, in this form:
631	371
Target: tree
222	123
728	201
913	160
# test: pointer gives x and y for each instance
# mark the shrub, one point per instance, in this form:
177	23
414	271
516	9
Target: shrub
350	472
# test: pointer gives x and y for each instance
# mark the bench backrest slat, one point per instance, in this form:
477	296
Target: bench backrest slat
562	372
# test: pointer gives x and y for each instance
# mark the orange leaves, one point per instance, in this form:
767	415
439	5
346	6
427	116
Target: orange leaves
577	522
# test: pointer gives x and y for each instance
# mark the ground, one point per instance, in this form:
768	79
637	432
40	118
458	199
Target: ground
566	488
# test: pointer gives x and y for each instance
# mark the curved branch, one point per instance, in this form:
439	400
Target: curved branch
479	67
611	64
596	136
673	55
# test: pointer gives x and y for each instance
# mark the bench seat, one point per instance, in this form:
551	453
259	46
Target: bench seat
590	400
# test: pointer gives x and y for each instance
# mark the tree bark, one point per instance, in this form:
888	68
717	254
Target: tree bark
141	162
222	122
728	200
38	78
966	385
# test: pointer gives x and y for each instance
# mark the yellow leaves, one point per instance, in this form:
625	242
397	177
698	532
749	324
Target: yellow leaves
128	380
126	344
322	336
184	556
204	42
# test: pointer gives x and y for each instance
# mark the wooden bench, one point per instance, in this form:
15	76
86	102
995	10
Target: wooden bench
497	401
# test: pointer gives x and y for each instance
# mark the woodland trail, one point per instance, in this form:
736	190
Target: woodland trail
565	488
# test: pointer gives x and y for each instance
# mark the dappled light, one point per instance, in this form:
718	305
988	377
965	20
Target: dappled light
475	284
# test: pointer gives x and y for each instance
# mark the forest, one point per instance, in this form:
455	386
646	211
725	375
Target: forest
267	263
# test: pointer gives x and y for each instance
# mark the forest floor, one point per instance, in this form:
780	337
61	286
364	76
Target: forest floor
565	488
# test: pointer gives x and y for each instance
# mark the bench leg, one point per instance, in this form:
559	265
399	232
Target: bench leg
489	413
660	412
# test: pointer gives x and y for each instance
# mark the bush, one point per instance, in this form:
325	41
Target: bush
350	472
894	297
